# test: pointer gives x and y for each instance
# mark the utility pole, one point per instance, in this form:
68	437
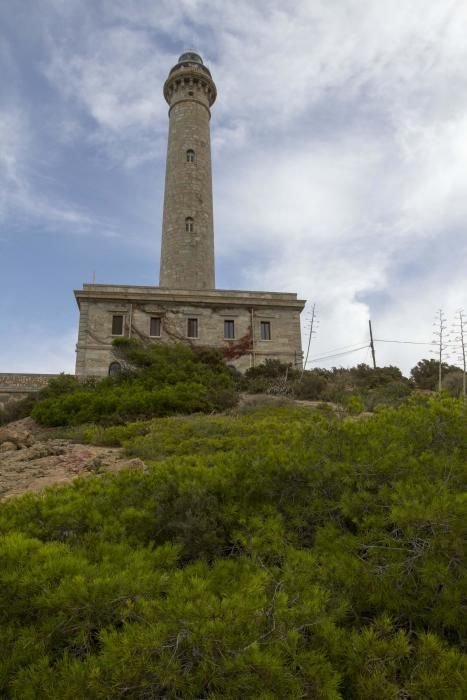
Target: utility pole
372	346
312	320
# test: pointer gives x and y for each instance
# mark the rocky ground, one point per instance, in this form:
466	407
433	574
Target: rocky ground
32	458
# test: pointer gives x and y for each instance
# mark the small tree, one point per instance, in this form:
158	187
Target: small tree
425	374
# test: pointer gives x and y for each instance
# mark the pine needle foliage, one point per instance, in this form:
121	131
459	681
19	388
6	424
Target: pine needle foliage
157	380
271	553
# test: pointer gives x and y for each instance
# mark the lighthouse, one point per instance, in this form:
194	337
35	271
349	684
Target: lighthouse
246	327
187	250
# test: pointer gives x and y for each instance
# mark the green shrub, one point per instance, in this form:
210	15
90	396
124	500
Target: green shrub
159	380
453	384
425	374
310	386
276	553
391	394
16	410
62	384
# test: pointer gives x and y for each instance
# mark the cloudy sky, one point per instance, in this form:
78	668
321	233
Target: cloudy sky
339	161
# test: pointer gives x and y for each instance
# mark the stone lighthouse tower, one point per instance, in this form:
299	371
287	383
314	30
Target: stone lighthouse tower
187	255
247	327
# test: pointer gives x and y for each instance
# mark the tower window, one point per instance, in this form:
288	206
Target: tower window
265	330
155	327
229	330
192	328
189	224
190	156
117	325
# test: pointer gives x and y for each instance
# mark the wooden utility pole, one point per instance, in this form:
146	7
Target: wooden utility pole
313	316
372	346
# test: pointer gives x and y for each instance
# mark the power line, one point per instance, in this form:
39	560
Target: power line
409	342
344	347
349	349
339	354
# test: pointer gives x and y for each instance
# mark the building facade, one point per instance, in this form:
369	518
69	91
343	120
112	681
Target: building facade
248	327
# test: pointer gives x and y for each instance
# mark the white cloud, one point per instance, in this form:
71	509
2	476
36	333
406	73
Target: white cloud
21	198
339	142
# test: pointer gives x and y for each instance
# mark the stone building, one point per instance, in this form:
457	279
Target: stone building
248	327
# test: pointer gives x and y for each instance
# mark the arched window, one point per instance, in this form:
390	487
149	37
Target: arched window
190	156
114	368
189	224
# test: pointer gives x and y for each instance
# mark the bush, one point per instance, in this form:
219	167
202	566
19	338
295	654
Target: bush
453	384
426	372
159	380
16	410
275	554
310	386
391	394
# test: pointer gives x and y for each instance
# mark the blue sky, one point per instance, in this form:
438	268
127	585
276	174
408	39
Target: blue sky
339	141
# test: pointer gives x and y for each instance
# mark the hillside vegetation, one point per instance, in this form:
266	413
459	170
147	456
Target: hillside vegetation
157	380
162	380
277	552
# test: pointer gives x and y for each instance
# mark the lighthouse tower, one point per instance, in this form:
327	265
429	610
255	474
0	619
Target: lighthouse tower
247	327
187	255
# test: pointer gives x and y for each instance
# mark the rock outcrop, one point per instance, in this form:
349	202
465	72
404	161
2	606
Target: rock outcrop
33	458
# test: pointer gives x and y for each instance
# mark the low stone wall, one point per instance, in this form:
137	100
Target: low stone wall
16	386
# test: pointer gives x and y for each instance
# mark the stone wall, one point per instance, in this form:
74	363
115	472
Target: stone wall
16	386
187	256
98	304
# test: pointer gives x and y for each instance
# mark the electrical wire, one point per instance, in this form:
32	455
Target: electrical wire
407	342
343	347
353	349
339	354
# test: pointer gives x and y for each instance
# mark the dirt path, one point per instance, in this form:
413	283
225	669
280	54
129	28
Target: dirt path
32	459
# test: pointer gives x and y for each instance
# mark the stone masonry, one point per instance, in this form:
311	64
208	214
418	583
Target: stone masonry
187	256
247	327
16	386
211	309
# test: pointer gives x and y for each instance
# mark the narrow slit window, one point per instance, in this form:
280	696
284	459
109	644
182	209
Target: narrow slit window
190	156
189	224
155	327
229	330
117	325
265	330
192	328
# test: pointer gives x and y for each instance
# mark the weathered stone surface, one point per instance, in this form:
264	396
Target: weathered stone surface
19	438
187	257
15	386
98	303
53	461
8	446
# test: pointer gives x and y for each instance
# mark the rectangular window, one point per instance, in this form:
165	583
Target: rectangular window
155	327
265	330
192	327
117	325
229	330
